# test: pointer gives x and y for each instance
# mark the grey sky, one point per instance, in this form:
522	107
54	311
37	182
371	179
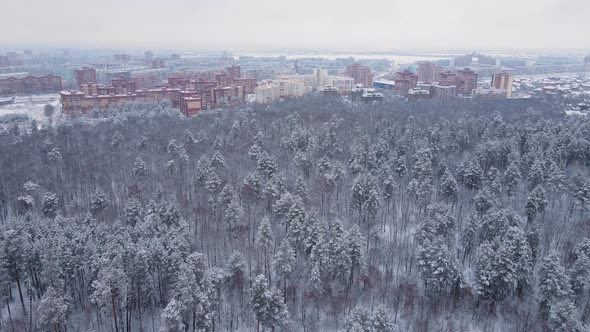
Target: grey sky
380	24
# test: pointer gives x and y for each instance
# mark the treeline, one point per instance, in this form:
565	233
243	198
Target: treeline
306	215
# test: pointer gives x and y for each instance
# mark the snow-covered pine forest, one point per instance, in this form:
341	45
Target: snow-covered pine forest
305	215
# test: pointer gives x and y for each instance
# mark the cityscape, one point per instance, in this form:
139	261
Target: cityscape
194	83
301	166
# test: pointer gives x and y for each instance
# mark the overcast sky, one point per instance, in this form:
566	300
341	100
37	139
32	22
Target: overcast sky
368	24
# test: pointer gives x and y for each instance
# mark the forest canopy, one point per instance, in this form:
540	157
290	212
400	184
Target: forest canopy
304	215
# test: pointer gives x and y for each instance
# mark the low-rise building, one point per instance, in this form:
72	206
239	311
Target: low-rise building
328	91
371	95
418	93
30	85
190	105
360	93
190	96
78	102
384	84
489	93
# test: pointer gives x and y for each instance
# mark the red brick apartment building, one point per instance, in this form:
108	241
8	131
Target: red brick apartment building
404	81
85	75
361	74
183	91
465	80
428	71
81	102
30	85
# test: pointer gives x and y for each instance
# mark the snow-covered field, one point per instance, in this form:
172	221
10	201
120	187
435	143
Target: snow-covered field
32	106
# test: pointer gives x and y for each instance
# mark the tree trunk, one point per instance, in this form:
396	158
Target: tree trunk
9	315
20	295
114	311
139	308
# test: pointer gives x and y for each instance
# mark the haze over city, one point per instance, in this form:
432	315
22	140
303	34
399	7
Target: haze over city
295	166
259	24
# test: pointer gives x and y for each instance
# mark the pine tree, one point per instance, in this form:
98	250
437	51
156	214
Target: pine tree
536	175
438	268
172	317
265	236
139	168
399	166
284	261
315	278
52	311
24	204
110	287
217	161
483	201
554	283
382	322
295	221
356	251
494	181
251	189
237	269
470	173
268	304
266	164
189	138
254	151
365	196
504	266
422	169
580	270
512	178
232	215
359	320
536	203
303	161
133	212
448	187
98	202
562	317
49	205
116	139
300	188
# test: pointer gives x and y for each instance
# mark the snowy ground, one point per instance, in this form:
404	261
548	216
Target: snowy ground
575	113
32	106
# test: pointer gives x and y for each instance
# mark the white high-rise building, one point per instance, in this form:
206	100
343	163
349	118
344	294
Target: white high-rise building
290	87
266	93
343	84
320	78
504	82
